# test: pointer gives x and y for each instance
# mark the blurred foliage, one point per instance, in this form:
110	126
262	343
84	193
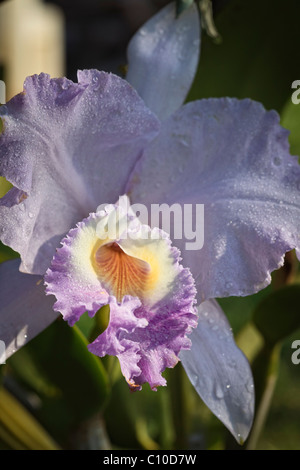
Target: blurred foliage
58	368
182	5
4	185
62	387
290	119
257	57
277	316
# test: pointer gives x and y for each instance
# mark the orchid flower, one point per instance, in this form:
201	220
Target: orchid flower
70	148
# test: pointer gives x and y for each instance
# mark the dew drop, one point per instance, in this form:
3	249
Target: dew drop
218	392
232	363
250	386
277	161
65	85
96	83
194	380
184	142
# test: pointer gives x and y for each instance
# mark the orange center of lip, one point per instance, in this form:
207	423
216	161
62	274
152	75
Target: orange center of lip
120	273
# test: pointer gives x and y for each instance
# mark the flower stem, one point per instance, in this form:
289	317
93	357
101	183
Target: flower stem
265	381
179	407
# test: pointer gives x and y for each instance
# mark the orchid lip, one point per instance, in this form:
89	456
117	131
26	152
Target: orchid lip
151	296
121	273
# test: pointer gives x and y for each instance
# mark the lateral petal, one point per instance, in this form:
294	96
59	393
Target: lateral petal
233	157
25	309
219	371
66	147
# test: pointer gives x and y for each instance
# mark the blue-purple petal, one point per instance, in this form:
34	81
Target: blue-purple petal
163	57
220	372
66	147
232	156
25	310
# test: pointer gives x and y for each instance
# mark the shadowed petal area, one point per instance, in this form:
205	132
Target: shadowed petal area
66	147
25	309
219	371
233	157
163	57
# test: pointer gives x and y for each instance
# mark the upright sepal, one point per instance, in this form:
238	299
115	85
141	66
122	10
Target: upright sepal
163	57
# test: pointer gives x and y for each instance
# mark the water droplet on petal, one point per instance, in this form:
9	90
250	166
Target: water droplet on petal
65	85
183	142
250	386
277	161
218	392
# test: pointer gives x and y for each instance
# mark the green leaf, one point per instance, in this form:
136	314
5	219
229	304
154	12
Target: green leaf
70	381
5	186
278	315
7	253
141	419
101	320
19	429
256	58
265	369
